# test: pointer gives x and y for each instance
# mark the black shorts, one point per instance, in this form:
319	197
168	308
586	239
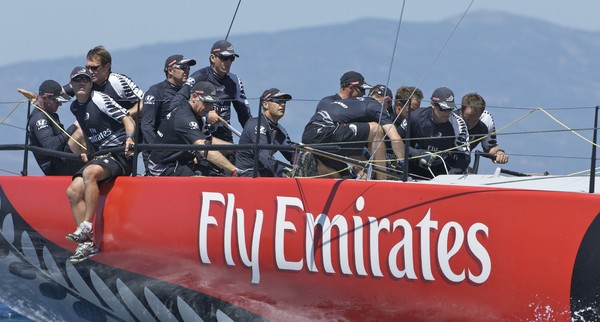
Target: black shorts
116	164
354	137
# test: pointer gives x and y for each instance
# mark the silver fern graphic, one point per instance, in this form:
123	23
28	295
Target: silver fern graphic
124	307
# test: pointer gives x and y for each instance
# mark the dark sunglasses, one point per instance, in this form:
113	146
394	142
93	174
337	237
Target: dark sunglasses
81	79
182	67
93	68
278	101
226	58
360	89
439	107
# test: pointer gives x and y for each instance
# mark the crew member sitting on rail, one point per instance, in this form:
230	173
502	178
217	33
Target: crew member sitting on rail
106	125
46	131
273	102
481	126
438	138
352	124
186	125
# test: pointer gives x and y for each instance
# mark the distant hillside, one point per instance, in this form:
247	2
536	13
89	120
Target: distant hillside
516	63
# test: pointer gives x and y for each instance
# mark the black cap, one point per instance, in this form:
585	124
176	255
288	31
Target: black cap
444	97
178	60
272	93
381	90
52	89
223	48
205	91
354	78
80	70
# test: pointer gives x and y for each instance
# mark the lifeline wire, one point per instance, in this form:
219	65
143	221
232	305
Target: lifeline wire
51	119
434	59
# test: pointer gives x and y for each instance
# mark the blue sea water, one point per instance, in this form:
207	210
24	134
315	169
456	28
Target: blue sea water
6	314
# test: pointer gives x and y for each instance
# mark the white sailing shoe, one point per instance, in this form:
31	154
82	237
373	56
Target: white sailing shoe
84	251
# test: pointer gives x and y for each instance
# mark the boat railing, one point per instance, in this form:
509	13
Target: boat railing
327	151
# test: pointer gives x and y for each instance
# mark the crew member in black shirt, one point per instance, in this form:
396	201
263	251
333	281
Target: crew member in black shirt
353	124
274	103
46	131
352	84
229	89
157	99
438	138
185	124
106	125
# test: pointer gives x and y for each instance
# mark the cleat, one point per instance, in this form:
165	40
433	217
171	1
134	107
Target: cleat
81	234
84	251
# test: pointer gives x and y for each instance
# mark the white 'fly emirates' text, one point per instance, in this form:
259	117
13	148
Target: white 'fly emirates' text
451	238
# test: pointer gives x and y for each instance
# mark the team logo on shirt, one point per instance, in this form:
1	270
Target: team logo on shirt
404	125
263	130
41	124
194	125
149	99
87	116
353	128
340	104
190	81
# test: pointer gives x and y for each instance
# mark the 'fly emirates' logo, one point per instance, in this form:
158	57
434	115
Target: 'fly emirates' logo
360	255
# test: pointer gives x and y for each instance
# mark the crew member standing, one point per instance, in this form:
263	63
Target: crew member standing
157	99
229	87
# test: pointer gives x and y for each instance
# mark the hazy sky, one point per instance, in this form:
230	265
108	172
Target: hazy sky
33	30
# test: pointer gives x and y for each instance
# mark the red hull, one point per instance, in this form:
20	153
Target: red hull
388	250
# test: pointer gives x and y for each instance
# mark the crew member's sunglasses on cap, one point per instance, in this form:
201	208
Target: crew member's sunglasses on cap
182	67
93	68
81	79
225	58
